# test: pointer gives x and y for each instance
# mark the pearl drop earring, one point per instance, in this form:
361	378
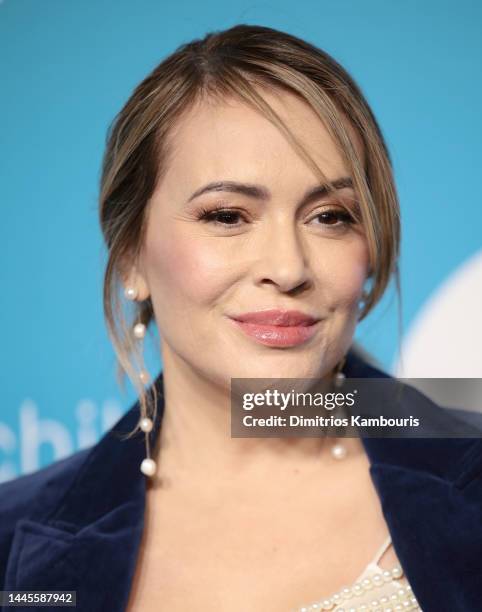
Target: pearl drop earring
148	466
338	450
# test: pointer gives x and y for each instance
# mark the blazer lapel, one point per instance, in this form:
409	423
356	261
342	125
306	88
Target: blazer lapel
89	543
430	492
433	512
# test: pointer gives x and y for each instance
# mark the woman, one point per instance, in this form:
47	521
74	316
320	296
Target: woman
247	195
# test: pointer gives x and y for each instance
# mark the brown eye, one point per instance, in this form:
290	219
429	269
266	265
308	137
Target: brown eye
220	216
335	217
226	217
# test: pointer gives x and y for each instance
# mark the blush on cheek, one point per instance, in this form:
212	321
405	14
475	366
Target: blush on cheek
179	266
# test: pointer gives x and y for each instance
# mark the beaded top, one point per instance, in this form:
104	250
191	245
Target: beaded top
375	590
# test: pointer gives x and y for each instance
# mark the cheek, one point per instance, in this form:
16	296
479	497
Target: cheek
183	269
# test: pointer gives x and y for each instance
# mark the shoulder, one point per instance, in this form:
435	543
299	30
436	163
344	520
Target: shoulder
37	492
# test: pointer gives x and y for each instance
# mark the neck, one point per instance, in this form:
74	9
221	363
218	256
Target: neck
195	436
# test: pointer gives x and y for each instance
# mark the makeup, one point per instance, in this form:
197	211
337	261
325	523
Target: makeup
275	335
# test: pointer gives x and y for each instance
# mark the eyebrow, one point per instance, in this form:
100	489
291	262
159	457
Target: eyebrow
262	193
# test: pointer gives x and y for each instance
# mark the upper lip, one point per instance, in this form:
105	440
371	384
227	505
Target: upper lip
283	318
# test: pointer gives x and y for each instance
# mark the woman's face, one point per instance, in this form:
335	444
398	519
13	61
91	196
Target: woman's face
273	248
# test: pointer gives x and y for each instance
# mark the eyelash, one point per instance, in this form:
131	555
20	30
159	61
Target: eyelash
209	216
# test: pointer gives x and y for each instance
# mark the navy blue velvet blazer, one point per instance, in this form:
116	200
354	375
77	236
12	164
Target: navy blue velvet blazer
77	524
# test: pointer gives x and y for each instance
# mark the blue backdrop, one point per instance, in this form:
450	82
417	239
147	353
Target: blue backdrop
68	66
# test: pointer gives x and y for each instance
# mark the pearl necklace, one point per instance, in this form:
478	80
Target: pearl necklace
403	599
338	451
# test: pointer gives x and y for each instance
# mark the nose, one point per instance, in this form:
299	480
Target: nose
282	259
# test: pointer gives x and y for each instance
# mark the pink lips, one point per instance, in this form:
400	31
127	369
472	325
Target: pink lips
277	327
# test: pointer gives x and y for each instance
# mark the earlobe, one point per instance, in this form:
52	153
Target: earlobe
142	288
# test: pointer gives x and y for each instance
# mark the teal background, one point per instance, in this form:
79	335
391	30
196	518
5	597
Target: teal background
67	67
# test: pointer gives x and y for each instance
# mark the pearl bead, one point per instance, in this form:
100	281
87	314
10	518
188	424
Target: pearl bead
339	379
346	593
397	572
377	579
338	451
387	575
327	604
146	424
139	330
367	583
144	376
148	467
130	293
357	588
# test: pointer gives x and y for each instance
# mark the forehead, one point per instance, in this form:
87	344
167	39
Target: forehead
229	140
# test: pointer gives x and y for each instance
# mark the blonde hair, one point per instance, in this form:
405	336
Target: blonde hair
240	62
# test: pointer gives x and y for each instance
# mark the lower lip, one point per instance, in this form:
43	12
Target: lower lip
276	335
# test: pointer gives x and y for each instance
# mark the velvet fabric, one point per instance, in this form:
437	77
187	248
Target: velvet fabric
77	524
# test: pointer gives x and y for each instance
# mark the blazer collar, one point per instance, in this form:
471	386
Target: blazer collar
430	491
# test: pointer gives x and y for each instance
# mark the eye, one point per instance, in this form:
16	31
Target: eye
220	216
335	217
